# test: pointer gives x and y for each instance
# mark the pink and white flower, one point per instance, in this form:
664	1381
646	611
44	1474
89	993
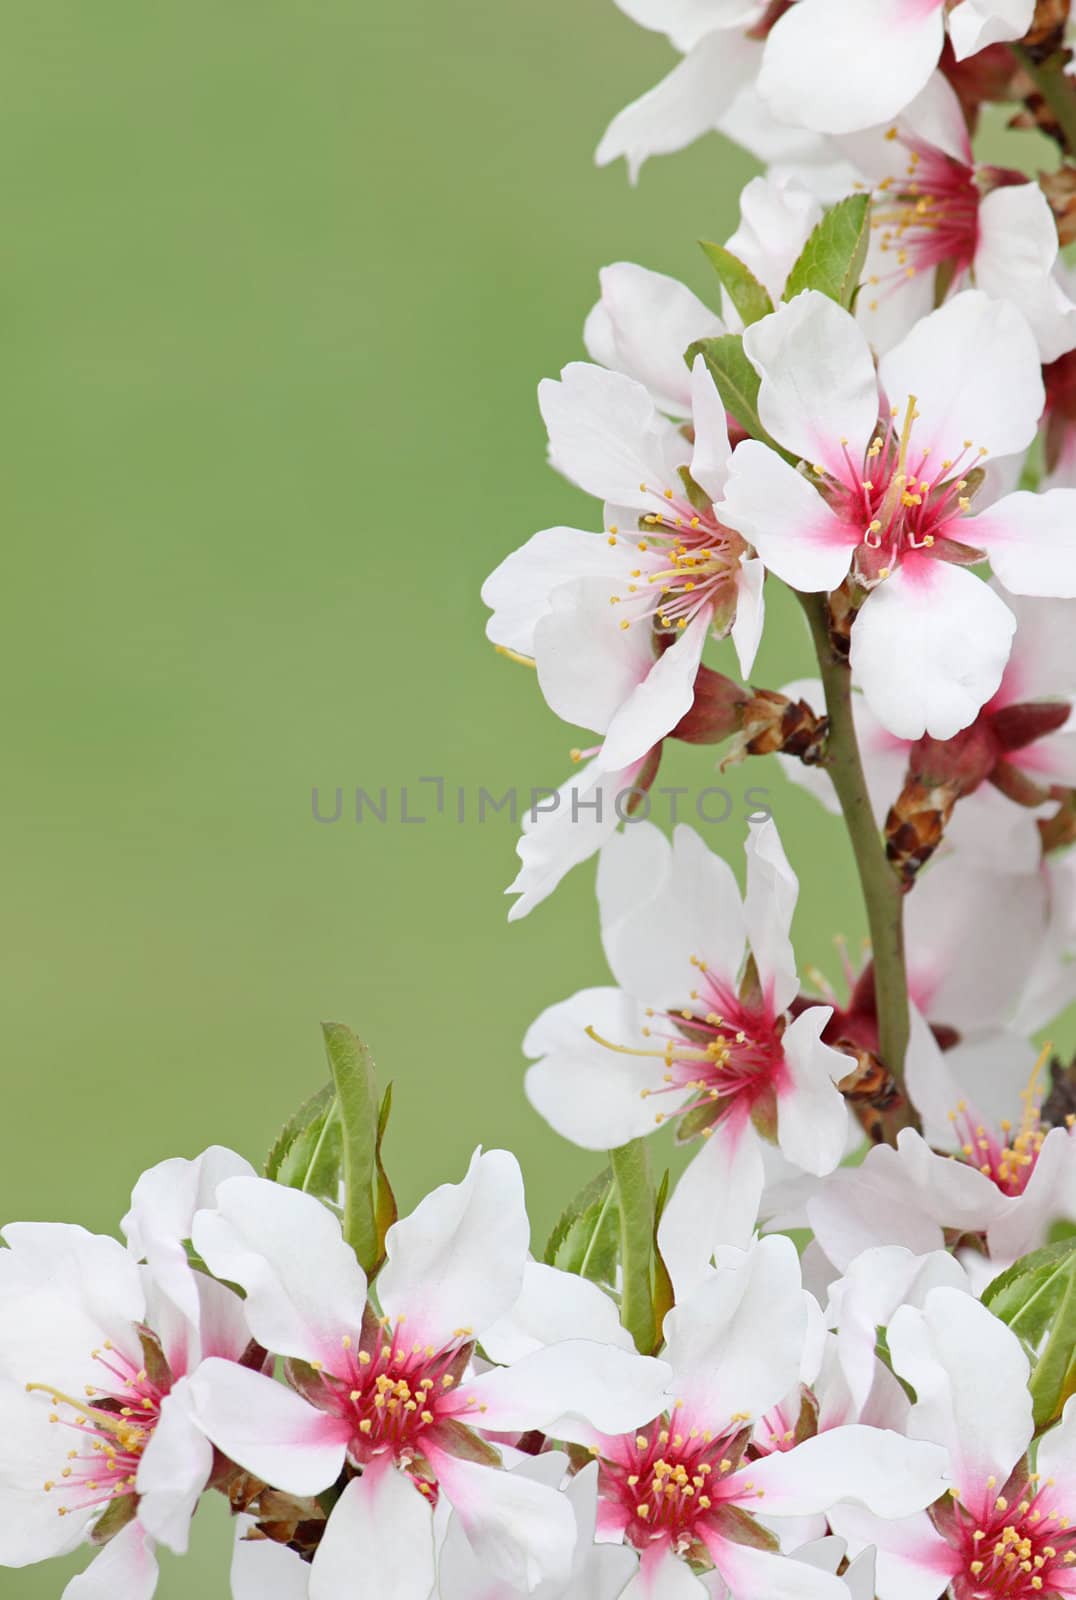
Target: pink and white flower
935	207
835	68
388	1404
98	1438
691	1485
892	457
984	1169
696	1034
1004	1532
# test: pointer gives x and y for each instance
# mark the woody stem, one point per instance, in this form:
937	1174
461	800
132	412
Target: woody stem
879	883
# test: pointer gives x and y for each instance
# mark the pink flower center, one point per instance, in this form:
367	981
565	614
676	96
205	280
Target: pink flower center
109	1430
727	1052
1016	1550
904	502
927	216
670	1487
397	1395
1007	1155
687	561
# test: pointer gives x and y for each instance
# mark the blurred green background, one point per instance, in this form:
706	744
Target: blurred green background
278	282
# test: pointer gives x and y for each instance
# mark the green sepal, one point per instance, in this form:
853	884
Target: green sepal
751	299
833	258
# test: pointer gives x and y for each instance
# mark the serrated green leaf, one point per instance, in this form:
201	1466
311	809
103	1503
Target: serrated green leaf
308	1152
664	1296
583	1232
737	383
356	1097
1026	1296
385	1208
750	298
832	260
1053	1380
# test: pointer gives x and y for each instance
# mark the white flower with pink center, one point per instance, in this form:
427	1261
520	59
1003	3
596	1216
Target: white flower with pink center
1003	1532
835	67
386	1404
984	1171
97	1435
692	1488
697	1034
889	468
934	206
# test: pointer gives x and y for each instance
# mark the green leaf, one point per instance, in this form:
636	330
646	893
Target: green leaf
307	1152
1036	1298
664	1296
737	383
832	260
385	1208
586	1237
635	1205
751	300
356	1097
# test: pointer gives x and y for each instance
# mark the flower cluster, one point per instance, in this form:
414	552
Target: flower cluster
831	1354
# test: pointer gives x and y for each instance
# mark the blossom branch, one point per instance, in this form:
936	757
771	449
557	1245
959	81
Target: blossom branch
1055	86
881	889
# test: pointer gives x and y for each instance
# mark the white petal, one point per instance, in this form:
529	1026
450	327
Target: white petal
937	117
978	23
457	1260
1014	260
518	591
769	905
735	1342
872	1205
524	1530
746	631
126	1566
818	381
163	1205
812	1118
174	1469
572	1388
262	1570
750	1572
914	1562
1028	538
890	1475
776	216
595	1096
715	1203
798	537
686	21
657	704
1057	1453
929	648
694	911
642	325
305	1290
554	1305
382	1529
953	1352
684	105
973	367
566	828
606	436
266	1429
630	867
836	68
710	458
589	666
31	1455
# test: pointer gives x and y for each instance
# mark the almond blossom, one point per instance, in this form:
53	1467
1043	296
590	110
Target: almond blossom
936	208
690	1487
836	68
98	1439
1005	1532
885	495
387	1402
697	1034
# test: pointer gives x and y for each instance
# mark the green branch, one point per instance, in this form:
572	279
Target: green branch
881	888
